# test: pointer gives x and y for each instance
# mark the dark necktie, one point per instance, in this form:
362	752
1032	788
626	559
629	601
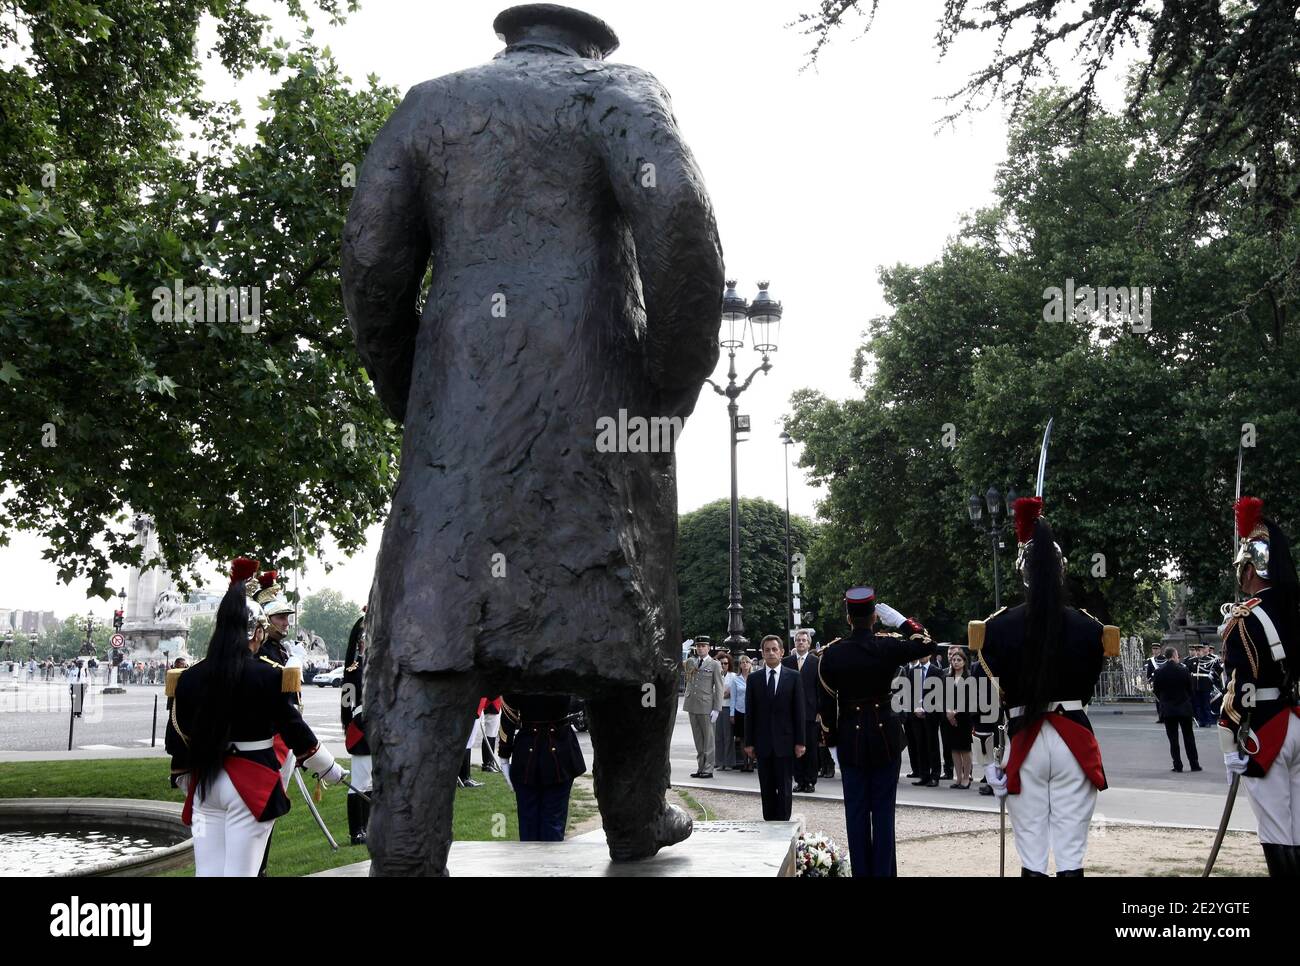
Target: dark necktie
771	682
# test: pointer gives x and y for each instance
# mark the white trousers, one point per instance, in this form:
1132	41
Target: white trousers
491	723
360	769
228	840
475	734
1275	798
1055	805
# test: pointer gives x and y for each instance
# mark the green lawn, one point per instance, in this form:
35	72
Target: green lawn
298	847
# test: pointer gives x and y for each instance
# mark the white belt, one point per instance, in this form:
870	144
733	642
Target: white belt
1053	706
1270	631
262	745
1268	694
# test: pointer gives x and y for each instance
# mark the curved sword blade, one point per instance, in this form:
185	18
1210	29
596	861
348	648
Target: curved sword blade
1042	458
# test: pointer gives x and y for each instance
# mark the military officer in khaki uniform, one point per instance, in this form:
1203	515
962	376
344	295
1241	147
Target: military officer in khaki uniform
703	702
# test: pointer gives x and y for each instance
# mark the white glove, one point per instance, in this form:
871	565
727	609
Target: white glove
333	776
183	783
997	779
888	616
321	764
1235	762
713	717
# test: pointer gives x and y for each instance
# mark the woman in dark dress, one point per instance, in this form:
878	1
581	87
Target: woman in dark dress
958	700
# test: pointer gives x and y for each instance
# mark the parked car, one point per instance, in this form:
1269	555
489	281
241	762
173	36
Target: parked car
333	678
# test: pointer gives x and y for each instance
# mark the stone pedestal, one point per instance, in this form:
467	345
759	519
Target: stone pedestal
113	687
715	849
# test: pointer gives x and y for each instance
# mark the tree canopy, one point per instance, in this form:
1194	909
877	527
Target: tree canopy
330	615
1228	71
961	376
120	184
704	568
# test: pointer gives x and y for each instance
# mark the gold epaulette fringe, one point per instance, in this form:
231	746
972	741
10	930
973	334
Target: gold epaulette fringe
1110	640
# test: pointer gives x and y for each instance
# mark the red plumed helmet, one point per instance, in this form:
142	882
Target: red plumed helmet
267	577
1027	510
242	569
1249	509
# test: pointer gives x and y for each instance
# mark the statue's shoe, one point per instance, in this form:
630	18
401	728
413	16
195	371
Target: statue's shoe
673	825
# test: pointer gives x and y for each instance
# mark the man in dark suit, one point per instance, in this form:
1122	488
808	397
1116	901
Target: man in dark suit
1172	685
921	725
805	662
774	728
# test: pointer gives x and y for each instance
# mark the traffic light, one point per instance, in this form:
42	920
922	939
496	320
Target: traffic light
117	620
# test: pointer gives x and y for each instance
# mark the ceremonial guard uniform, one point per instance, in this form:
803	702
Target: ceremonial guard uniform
1217	681
352	712
234	793
544	761
491	730
1051	769
1154	663
856	675
268	593
1258	729
1202	669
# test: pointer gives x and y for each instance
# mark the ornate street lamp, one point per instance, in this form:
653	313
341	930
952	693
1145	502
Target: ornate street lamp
763	319
1000	517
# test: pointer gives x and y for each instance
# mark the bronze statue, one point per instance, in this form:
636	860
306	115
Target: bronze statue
576	273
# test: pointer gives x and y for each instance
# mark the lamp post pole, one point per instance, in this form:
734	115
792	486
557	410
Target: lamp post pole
1000	515
760	315
789	608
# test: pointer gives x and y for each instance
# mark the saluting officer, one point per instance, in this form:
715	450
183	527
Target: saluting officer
857	676
1046	658
1259	732
225	710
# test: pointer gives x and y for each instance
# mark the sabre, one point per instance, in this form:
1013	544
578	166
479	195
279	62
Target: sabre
311	807
493	752
1236	593
1042	458
1245	721
999	745
353	788
1223	825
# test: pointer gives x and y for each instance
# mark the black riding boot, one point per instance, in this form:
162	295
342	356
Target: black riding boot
1027	874
1070	874
1276	856
489	750
358	815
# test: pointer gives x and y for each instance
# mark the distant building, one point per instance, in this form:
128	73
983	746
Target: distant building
30	622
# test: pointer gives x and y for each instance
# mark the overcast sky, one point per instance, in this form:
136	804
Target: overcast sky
818	178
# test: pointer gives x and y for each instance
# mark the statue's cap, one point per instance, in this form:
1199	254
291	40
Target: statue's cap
512	22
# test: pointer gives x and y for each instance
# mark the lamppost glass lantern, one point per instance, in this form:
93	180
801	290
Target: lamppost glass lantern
976	510
994	501
765	319
1011	501
735	311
